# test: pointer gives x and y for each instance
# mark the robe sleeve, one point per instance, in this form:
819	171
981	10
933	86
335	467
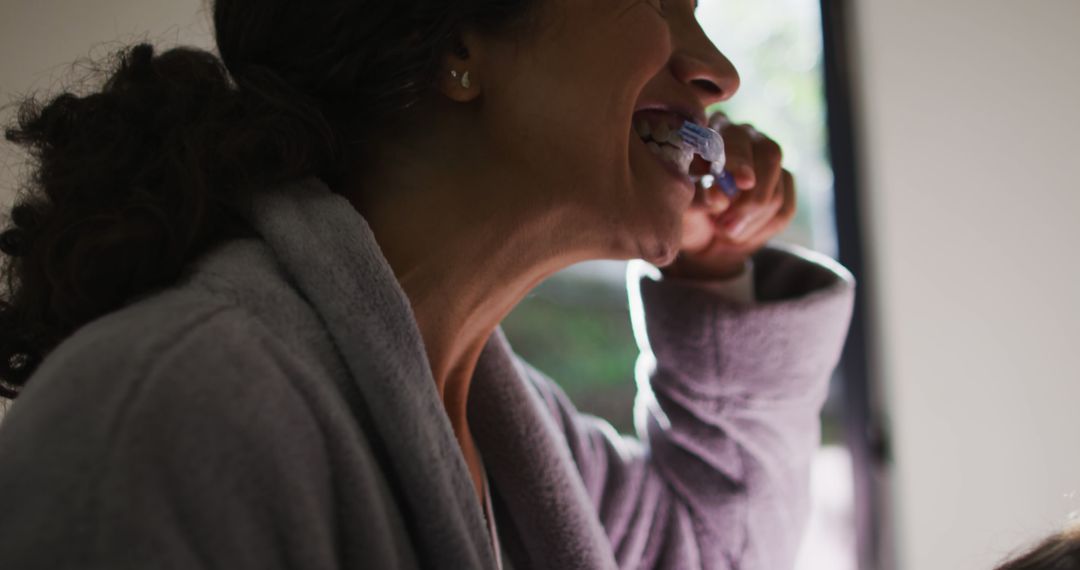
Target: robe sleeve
726	416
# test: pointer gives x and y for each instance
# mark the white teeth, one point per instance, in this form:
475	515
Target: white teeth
666	143
661	132
678	157
669	153
643	128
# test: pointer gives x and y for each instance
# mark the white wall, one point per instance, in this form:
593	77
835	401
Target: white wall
41	39
970	119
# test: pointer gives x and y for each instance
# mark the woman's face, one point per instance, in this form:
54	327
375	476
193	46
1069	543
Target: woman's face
560	108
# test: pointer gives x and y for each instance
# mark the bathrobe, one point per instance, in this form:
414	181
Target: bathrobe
275	409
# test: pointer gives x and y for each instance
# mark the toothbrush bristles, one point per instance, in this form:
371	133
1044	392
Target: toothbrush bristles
704	140
689	132
691	137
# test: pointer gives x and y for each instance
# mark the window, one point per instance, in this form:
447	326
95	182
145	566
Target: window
575	326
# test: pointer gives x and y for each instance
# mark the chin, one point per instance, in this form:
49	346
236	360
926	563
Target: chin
663	255
660	244
651	227
664	261
660	236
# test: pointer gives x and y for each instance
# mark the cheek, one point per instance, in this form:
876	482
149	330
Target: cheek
567	99
646	41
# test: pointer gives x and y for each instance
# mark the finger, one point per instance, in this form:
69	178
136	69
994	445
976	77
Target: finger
739	148
697	230
787	201
756	221
748	216
717	120
791	199
789	207
768	160
716	201
710	198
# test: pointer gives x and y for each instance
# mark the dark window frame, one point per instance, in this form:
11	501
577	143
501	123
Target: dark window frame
864	425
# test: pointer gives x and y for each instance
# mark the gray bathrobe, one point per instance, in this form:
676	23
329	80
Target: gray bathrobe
275	410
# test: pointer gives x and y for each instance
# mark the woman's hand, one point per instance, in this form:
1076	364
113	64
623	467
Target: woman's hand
720	234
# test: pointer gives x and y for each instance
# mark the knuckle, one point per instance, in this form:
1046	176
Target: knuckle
718	120
772	152
789	182
791	204
740	208
734	132
762	197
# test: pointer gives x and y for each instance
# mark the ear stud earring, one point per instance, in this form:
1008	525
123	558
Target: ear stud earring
465	83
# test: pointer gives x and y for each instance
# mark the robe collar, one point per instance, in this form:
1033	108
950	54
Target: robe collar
329	252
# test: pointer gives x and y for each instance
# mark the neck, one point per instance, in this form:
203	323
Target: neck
465	255
463	270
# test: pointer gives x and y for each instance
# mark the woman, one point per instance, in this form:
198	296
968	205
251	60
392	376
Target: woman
255	324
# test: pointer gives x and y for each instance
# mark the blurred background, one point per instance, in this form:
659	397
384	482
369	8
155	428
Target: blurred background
931	143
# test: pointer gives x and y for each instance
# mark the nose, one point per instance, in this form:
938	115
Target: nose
698	63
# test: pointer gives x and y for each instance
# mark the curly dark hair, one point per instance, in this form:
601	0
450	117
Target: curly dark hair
1058	552
133	181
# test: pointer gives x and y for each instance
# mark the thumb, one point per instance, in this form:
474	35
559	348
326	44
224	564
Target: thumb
698	230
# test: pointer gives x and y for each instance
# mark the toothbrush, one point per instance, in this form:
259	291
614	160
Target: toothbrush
710	146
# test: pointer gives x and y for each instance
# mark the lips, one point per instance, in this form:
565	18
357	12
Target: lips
651	117
658	125
658	129
692	112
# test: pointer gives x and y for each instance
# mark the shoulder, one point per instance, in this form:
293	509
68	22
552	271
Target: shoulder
177	332
181	362
230	327
180	378
173	422
203	412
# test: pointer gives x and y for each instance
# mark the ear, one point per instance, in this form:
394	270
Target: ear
460	78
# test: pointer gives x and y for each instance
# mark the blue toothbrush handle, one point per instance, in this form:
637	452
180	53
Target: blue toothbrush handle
726	181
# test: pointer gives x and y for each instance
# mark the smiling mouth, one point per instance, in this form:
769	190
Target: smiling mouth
659	130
